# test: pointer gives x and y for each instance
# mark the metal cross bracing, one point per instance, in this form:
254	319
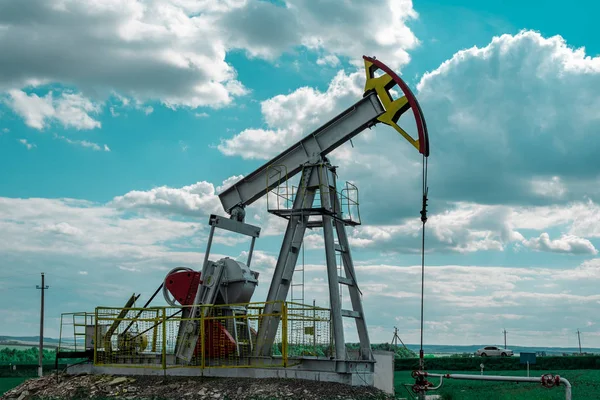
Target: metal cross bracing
316	204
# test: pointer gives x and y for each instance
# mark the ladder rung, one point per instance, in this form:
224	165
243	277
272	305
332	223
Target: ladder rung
339	248
351	314
345	281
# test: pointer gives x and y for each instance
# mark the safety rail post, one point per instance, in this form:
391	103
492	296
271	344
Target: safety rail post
164	338
284	341
60	333
202	340
314	326
155	330
74	332
96	336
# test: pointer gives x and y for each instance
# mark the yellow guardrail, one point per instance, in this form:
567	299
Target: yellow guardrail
227	334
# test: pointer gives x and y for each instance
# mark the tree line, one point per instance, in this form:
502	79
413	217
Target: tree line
25	356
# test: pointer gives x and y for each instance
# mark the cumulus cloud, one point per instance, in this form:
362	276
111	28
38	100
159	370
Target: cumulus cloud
350	30
136	249
198	199
565	244
69	109
174	51
466	304
291	117
119	46
74	230
471	227
499	114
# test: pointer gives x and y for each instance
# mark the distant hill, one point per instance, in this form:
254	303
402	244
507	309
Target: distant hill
428	348
28	339
446	349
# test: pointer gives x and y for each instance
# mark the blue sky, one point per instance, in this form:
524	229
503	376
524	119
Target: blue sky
120	124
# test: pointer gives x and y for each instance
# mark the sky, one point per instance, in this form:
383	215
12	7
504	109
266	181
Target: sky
121	121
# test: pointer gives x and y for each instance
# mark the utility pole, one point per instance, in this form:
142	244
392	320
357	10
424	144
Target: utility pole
579	339
41	356
396	338
504	338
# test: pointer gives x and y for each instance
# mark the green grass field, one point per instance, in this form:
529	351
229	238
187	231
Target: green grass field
586	385
8	383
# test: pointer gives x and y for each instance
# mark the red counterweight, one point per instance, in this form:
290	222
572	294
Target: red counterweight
183	286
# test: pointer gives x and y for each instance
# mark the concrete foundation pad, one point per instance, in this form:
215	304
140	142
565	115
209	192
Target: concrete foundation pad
358	373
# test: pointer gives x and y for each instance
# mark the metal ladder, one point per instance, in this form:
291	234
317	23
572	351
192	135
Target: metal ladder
243	315
77	333
298	298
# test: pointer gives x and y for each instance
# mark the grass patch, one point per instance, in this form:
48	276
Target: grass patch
586	385
7	384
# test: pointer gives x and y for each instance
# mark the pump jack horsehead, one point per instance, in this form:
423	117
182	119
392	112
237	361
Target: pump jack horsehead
227	281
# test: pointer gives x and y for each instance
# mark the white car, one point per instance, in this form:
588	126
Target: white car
493	351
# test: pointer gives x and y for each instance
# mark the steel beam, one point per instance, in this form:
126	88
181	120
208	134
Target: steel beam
344	247
312	148
286	263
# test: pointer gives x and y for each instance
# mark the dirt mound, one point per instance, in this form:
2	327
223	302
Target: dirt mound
157	387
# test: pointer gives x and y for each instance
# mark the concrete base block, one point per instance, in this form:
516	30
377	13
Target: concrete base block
357	373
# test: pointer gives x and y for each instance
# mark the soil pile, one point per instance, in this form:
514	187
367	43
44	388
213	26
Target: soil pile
158	387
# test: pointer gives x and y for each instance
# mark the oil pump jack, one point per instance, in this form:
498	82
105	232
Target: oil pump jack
227	281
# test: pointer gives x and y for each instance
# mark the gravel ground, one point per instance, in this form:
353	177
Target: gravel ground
153	387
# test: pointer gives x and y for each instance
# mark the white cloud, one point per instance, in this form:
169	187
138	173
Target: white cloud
60	228
348	30
71	110
83	143
503	134
134	250
469	227
291	117
228	182
25	143
201	115
260	262
565	244
198	199
329	60
83	229
552	187
145	50
174	51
